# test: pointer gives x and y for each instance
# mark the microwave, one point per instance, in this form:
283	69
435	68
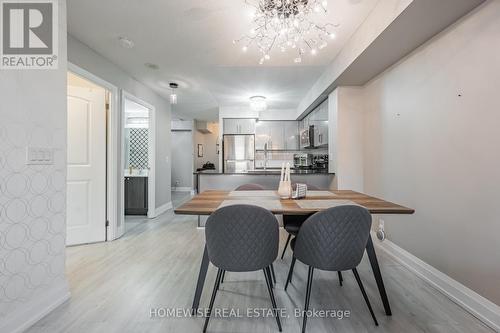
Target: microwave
307	138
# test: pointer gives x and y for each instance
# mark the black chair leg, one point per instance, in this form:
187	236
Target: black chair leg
365	296
341	279
308	296
286	245
212	300
273	275
290	273
267	274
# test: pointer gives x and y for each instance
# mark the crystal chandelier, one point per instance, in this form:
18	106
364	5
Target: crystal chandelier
258	103
287	25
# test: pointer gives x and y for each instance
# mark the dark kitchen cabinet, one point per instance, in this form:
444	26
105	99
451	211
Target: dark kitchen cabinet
136	195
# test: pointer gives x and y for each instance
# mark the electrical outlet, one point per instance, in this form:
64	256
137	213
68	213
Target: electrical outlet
39	156
381	230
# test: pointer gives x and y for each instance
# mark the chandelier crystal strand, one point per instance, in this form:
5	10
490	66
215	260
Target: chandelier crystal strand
287	25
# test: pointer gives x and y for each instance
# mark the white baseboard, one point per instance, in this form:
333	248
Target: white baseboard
34	310
163	208
182	189
480	307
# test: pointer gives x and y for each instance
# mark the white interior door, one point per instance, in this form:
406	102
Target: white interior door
86	180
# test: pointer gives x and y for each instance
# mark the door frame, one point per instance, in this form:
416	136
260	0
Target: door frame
151	154
112	158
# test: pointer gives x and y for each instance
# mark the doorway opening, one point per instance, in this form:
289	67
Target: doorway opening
138	161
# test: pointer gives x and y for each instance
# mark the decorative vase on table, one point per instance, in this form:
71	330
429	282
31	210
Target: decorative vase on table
285	186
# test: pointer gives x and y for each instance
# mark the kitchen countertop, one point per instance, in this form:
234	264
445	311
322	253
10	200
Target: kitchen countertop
266	172
136	173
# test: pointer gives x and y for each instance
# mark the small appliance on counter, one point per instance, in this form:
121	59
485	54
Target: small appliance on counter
303	161
320	162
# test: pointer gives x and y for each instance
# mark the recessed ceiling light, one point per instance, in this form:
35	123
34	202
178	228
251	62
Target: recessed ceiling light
152	66
126	42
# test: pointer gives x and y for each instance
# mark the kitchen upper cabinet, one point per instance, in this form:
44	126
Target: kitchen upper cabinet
291	135
319	119
262	134
278	135
239	126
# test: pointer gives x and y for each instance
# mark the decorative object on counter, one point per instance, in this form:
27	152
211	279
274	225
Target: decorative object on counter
285	186
200	150
288	25
300	191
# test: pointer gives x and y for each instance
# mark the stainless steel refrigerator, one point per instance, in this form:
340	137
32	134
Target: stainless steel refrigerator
239	153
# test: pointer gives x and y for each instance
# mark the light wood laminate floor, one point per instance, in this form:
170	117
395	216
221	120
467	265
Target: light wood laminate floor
155	265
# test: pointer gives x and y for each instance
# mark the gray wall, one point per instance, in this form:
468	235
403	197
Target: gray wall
432	142
32	198
182	163
86	58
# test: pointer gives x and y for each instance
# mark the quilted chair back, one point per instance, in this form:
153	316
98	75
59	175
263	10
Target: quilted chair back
250	187
242	238
334	239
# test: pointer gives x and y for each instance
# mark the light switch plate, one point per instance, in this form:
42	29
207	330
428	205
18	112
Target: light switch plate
39	156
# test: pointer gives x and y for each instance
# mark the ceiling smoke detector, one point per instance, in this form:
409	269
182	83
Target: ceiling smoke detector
126	42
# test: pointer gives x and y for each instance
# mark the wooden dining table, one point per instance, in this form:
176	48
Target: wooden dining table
209	201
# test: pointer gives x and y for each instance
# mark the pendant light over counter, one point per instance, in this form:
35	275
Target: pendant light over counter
173	95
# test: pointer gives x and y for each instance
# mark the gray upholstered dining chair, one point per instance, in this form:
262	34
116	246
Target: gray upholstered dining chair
333	240
292	223
242	238
250	187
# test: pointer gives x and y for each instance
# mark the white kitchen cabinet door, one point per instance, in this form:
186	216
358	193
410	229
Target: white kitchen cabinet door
246	126
291	135
231	126
262	134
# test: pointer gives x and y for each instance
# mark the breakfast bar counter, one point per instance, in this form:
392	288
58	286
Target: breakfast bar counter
269	179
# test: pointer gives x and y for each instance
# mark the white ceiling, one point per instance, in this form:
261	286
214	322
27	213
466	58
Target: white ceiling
191	42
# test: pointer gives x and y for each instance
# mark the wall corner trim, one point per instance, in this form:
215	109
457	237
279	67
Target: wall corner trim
480	307
163	208
30	313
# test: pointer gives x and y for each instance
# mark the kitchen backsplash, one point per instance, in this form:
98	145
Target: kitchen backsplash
138	148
